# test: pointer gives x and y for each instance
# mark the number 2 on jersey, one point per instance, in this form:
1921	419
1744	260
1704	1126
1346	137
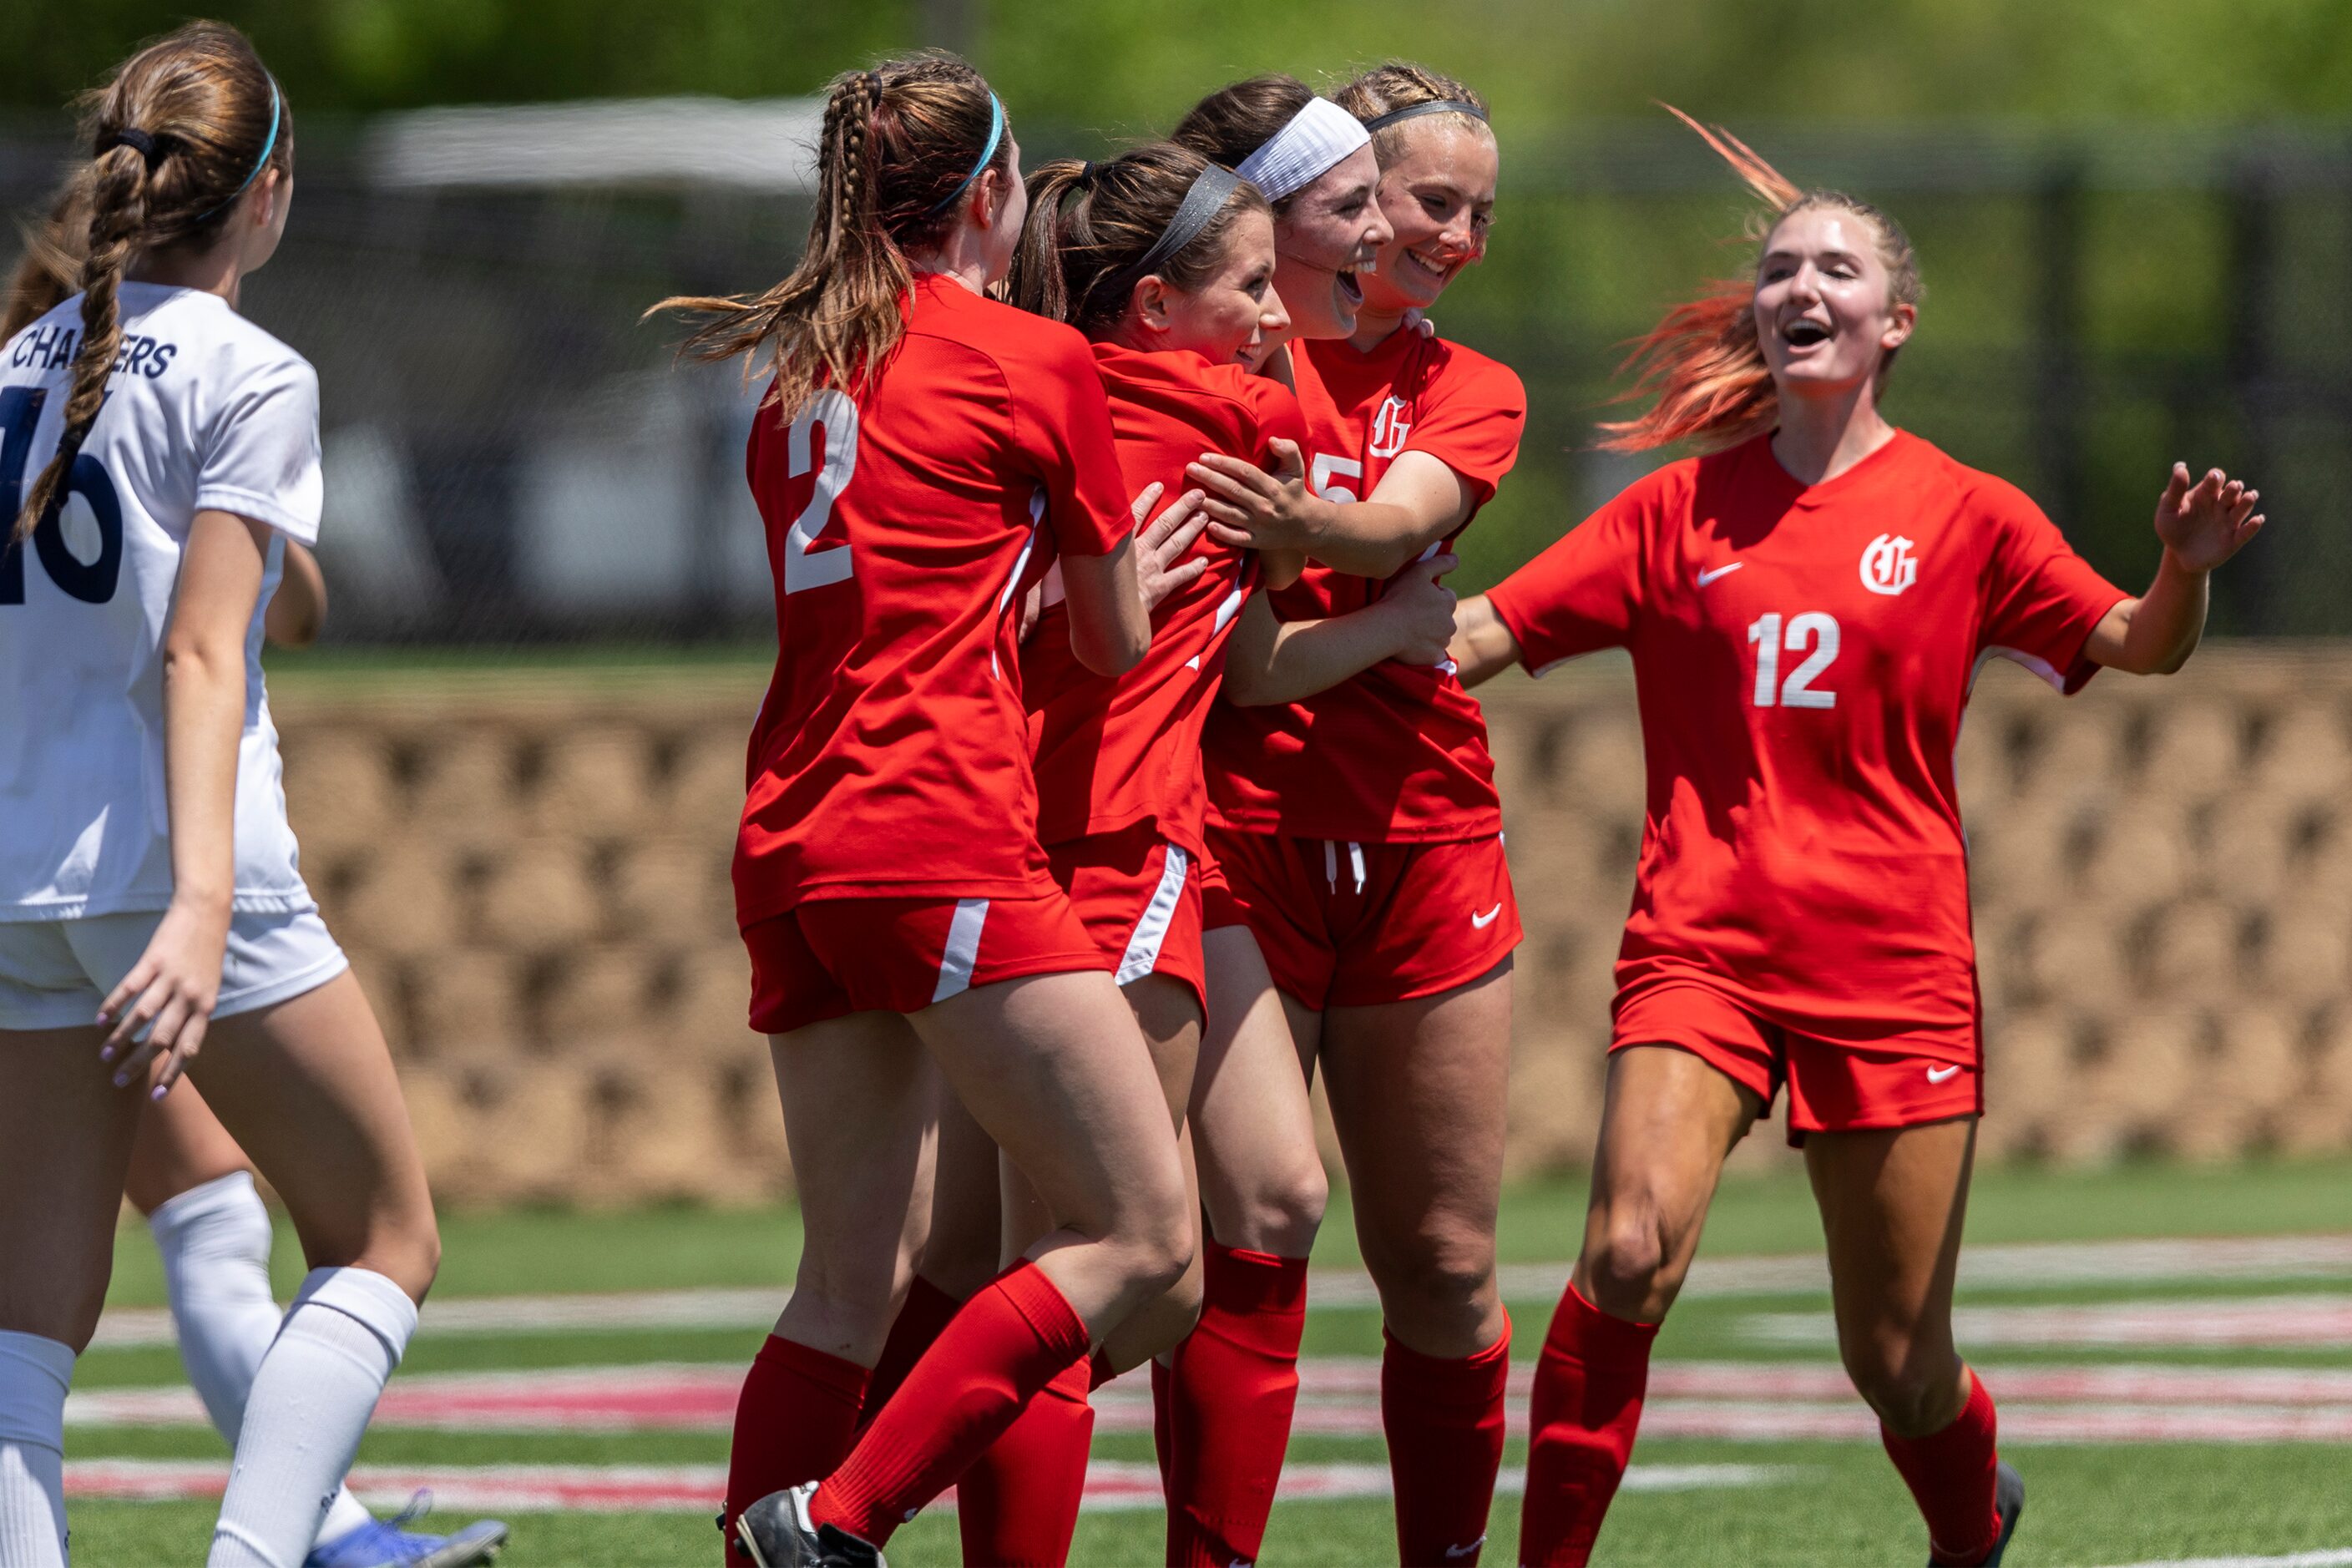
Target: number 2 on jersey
92	581
1813	630
804	568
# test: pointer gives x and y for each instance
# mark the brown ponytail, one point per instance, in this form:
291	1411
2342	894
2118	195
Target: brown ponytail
1400	84
1092	224
176	136
1702	363
896	149
1235	122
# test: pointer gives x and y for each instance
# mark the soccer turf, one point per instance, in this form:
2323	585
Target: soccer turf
2092	1503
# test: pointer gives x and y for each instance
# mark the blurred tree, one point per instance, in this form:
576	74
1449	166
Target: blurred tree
1106	65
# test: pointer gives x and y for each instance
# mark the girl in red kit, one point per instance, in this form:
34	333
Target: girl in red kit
924	454
1166	263
1360	829
1806	608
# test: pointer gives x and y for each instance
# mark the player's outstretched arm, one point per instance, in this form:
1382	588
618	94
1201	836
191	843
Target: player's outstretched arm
297	611
1483	646
1419	501
2202	525
176	980
1271	661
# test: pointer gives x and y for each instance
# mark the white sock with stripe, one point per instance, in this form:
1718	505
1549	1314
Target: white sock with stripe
309	1406
34	1375
215	1242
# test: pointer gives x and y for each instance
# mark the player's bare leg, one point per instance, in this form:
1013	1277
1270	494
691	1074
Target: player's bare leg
1893	1204
308	1090
1418	1094
180	1146
1262	1178
1668	1122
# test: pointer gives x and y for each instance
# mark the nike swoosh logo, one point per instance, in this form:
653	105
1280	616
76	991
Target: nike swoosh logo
1943	1074
1482	923
1707	577
1457	1553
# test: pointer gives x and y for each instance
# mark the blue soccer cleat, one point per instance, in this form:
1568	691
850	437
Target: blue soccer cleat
382	1543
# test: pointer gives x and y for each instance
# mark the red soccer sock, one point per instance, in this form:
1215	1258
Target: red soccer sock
1224	1421
793	1423
922	1318
1588	1404
1444	1419
1950	1474
1017	1504
1008	1343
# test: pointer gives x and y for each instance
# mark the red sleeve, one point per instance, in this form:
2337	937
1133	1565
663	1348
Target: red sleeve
1583	592
2041	601
1275	410
1062	420
1472	420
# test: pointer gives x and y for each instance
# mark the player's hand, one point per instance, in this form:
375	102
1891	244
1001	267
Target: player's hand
1421	610
1161	545
1251	508
169	994
2204	523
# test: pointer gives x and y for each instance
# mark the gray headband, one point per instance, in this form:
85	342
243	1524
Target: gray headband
1211	188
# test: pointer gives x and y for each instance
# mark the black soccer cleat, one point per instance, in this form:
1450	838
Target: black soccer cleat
777	1533
2007	1503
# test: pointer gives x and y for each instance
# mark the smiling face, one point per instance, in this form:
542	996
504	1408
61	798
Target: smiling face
1825	315
1230	318
1333	229
1439	198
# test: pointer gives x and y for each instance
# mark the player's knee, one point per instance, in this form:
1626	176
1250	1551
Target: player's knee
1445	1269
1283	1214
1626	1264
1912	1392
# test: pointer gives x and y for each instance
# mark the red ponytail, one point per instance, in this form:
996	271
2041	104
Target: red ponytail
1701	364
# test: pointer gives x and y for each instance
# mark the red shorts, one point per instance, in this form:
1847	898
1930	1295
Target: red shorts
1137	895
1833	1087
1219	908
826	958
1352	925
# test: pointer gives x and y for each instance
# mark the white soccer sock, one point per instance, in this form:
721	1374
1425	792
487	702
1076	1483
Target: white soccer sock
215	1242
309	1406
34	1375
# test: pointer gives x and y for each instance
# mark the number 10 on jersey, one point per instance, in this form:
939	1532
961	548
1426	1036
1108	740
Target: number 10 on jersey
1813	631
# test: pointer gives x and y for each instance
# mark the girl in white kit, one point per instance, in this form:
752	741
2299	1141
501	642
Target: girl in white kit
157	451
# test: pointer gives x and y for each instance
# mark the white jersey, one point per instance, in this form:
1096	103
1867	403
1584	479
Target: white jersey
204	411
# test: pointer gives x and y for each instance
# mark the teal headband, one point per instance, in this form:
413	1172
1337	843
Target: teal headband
268	146
987	155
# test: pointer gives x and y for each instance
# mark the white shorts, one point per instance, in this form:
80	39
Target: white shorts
54	974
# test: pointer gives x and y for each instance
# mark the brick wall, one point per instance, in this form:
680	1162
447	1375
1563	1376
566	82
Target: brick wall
531	874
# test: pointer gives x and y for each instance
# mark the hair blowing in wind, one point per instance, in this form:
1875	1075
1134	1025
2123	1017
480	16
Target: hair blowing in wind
1701	365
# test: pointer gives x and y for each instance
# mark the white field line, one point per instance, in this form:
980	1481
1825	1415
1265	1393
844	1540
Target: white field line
1340	1397
2301	1321
529	1488
2042	1265
2335	1557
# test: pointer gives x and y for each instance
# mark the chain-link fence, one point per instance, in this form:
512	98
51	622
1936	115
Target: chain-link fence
511	456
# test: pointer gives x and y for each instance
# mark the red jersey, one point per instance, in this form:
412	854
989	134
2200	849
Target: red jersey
1397	754
1803	655
1111	751
890	757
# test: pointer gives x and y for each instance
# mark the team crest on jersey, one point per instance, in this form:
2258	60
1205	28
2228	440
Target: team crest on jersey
1887	564
1390	428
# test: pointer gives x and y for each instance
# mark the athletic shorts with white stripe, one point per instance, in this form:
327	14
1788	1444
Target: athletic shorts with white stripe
826	958
1139	896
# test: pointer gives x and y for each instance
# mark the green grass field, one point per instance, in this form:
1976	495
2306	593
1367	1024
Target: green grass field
2093	1503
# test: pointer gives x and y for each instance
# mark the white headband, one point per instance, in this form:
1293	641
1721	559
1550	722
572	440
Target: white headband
1296	156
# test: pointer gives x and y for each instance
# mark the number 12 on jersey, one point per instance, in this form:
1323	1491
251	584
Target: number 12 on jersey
1811	630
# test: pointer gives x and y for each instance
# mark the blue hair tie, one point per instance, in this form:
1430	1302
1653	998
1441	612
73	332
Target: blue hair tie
268	146
987	155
